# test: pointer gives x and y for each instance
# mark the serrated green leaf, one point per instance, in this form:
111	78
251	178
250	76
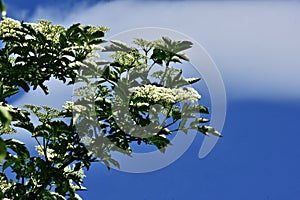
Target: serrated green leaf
183	45
117	46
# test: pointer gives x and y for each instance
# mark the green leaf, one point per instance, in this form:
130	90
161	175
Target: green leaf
24	85
117	46
176	114
5	117
159	55
77	167
2	150
167	40
10	91
203	120
146	45
160	142
18	147
96	35
203	130
192	80
29	29
183	45
209	130
182	56
70	31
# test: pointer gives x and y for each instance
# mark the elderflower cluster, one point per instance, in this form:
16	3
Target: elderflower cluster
71	169
50	31
68	105
50	152
157	94
186	94
5	185
8	27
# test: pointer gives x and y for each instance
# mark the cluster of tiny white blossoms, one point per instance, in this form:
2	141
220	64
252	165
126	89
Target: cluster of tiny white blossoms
50	152
8	27
158	94
186	94
6	185
50	31
68	105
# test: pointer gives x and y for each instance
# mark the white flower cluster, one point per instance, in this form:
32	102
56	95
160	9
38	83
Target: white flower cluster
6	185
50	152
8	26
157	94
70	169
68	105
186	94
50	31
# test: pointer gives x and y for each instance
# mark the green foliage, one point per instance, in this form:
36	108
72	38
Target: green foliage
2	150
30	55
5	117
33	53
128	99
129	102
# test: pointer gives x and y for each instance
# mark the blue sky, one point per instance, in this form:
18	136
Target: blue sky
256	46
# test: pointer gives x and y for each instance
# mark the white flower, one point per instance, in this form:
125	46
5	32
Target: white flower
158	94
8	26
49	152
187	93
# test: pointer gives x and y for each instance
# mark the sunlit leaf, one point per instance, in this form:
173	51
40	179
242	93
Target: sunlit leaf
2	150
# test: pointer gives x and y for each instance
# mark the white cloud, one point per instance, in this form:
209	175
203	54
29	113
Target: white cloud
256	45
